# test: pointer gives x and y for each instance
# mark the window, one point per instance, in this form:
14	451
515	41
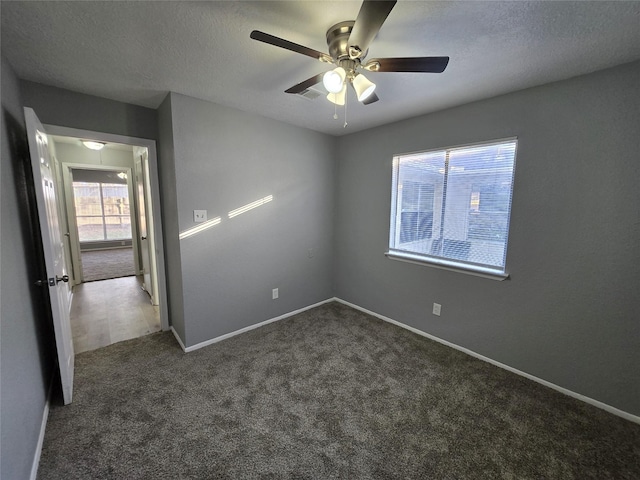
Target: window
102	211
451	207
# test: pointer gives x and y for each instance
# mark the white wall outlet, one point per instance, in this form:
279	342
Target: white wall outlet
310	253
274	293
199	216
436	309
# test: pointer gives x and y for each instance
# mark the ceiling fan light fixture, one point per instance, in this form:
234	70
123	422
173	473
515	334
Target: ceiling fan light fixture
93	145
333	80
363	87
338	98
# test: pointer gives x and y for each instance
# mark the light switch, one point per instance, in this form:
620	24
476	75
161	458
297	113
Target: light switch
199	216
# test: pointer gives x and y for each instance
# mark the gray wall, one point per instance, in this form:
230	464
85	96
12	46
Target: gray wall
225	159
27	337
57	106
569	314
168	199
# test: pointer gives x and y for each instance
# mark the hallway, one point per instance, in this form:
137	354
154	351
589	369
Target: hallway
110	311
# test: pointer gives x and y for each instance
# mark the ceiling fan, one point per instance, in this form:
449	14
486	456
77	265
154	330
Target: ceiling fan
348	44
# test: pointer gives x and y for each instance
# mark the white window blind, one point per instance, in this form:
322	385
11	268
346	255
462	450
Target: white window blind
452	206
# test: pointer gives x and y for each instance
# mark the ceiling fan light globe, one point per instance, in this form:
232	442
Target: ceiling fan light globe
338	98
363	87
333	80
93	145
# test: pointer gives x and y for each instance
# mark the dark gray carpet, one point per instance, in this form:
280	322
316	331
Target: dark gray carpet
106	264
327	394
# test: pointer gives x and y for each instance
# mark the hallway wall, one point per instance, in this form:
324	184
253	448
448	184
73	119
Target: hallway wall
65	108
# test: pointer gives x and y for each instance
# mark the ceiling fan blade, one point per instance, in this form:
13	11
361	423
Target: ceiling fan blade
286	44
408	64
370	99
302	86
370	18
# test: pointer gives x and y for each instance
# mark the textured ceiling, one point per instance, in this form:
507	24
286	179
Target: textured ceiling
137	51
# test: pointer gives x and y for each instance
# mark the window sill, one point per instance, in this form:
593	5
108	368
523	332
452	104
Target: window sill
451	266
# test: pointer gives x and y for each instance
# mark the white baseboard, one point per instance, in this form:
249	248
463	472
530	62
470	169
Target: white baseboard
578	396
175	334
246	329
43	427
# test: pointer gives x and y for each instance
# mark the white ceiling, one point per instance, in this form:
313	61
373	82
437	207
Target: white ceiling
137	51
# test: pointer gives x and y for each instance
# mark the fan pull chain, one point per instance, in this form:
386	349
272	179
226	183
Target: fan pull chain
345	110
335	107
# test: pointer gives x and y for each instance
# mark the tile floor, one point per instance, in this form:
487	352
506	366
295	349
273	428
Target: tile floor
111	311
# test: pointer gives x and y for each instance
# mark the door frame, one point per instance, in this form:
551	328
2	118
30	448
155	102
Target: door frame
154	181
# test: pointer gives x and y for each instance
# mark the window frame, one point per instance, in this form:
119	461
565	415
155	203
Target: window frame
462	266
103	216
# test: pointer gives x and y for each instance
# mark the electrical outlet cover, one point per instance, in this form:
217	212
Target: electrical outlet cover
199	216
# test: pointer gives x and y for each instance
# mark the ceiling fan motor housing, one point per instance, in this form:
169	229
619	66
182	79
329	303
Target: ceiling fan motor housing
338	41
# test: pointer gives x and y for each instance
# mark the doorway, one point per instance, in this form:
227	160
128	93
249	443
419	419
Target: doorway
109	197
104	214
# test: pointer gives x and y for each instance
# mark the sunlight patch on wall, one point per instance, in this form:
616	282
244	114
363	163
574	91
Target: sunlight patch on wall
199	228
250	206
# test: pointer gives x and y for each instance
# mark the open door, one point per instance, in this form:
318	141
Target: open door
145	219
53	245
142	225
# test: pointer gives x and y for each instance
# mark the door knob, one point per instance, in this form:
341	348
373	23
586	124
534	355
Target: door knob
64	278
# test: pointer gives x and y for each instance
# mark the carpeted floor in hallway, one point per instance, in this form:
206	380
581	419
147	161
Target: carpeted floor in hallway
106	264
